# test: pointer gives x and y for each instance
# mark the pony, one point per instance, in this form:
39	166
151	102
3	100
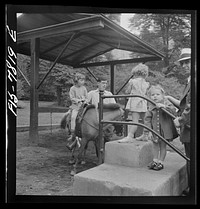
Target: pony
90	127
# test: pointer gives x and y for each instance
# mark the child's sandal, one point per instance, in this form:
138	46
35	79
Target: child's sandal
158	167
152	165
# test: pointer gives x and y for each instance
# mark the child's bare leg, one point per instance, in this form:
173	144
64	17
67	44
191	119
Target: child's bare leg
133	128
135	119
156	149
73	119
163	151
71	141
162	148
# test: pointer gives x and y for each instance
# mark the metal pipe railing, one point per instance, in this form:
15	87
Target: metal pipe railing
101	121
149	100
144	126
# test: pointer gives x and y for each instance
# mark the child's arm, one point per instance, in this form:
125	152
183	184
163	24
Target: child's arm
173	100
184	118
168	106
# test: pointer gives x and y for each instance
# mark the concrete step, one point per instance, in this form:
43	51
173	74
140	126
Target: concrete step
135	154
117	180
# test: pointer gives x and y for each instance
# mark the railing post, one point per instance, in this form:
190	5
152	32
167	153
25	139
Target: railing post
101	139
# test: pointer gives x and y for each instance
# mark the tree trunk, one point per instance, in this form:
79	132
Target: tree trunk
59	94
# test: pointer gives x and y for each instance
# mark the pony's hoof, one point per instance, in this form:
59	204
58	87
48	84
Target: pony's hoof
83	162
72	161
72	173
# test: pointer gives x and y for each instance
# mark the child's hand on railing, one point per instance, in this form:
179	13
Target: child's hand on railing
159	105
176	122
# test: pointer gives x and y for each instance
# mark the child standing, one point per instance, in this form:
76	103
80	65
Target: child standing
159	121
136	105
78	95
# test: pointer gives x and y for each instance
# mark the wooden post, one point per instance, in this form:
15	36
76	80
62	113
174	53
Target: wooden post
33	132
112	78
101	139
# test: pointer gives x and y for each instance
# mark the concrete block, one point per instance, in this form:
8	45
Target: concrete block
117	180
135	154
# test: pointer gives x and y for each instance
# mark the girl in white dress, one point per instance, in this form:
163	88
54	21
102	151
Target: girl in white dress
136	105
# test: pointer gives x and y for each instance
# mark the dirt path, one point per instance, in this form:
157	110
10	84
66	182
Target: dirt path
44	169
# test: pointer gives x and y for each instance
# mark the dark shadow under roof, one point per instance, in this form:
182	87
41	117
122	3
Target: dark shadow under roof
90	35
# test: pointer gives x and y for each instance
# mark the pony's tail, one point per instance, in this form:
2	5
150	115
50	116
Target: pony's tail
63	121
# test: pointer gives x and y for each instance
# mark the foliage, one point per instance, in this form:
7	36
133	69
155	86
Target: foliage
170	85
166	32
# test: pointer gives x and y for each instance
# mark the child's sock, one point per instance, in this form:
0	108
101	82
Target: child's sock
155	160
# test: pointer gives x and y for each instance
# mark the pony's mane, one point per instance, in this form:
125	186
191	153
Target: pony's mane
111	106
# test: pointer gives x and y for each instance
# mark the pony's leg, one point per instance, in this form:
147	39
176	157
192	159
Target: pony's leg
80	151
97	147
72	160
84	154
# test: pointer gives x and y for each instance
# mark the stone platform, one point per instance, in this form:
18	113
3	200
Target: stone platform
134	154
125	173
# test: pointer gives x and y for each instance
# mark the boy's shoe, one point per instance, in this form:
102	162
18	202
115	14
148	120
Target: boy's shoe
158	167
152	165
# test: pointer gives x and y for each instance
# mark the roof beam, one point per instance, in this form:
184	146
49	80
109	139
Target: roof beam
84	24
115	62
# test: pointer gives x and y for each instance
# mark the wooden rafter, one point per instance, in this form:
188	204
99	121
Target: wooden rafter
115	62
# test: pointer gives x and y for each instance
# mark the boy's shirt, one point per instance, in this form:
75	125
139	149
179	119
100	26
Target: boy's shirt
93	97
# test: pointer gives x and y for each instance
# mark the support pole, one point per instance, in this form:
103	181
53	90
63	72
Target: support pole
87	68
18	68
124	84
58	57
34	74
112	78
101	139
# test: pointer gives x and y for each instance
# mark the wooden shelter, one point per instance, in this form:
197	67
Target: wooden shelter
73	39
